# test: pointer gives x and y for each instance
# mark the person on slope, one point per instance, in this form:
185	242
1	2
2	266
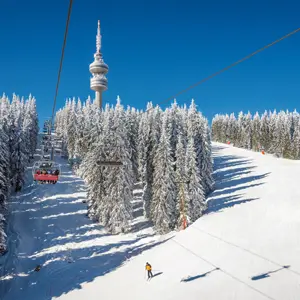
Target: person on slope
149	269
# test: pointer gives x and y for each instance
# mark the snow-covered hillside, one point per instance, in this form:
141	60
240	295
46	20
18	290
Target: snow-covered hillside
246	247
48	226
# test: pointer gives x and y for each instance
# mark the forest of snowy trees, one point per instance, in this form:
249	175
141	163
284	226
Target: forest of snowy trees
276	133
18	139
169	151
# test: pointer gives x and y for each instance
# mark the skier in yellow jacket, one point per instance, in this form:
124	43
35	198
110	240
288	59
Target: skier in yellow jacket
149	269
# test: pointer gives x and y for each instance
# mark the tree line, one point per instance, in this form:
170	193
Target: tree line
276	133
18	139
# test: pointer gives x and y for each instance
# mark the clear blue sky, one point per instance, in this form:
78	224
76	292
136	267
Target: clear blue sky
154	49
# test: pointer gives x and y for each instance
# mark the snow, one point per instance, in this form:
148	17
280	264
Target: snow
49	227
246	246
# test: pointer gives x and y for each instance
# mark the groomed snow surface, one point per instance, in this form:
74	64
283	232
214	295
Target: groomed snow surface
247	246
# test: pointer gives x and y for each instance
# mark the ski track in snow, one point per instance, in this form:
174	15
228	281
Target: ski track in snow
247	246
48	226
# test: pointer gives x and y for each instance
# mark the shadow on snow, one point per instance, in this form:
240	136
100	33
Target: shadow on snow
191	278
267	274
231	174
69	247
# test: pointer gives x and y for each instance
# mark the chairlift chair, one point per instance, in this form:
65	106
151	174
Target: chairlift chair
110	158
46	157
46	137
46	171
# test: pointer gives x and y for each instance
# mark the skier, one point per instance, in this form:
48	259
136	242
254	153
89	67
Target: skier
149	269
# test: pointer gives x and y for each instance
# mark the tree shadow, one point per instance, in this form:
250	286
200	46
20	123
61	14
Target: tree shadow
226	161
231	174
73	269
191	278
232	181
141	222
226	202
218	147
229	189
136	227
267	274
225	174
70	248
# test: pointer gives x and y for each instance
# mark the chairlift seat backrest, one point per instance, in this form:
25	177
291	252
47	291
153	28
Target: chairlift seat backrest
109	163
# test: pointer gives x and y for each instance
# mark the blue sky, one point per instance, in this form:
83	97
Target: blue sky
154	49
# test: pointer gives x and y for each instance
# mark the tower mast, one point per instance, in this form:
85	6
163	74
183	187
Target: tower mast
99	69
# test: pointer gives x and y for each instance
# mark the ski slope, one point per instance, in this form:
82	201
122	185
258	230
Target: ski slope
247	246
251	231
48	226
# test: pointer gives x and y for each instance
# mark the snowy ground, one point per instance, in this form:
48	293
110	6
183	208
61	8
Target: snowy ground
48	227
246	247
237	251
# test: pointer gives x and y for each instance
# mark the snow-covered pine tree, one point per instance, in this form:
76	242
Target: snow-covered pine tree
216	128
120	191
95	175
163	201
175	126
78	148
71	129
256	124
87	113
296	139
232	129
198	129
147	146
132	126
248	131
182	200
143	139
295	135
272	136
196	195
264	131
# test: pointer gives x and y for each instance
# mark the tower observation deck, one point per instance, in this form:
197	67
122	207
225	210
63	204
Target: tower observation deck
99	69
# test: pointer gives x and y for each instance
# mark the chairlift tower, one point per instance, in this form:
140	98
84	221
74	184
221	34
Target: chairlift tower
99	69
182	203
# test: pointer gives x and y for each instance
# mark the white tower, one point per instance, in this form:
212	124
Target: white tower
99	69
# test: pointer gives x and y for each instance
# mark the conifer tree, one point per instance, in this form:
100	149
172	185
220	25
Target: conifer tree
163	202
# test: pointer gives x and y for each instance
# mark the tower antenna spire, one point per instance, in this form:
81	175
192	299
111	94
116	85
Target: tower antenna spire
98	39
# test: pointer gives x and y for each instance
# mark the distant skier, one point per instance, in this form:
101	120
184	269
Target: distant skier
149	269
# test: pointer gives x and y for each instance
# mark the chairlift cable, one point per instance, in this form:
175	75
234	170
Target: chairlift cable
56	176
222	270
61	61
227	68
246	250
